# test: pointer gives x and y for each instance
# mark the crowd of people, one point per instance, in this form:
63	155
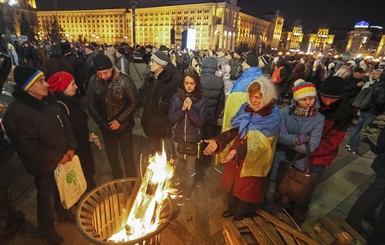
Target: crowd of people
251	111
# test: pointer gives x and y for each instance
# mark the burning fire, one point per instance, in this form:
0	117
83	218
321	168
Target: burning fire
144	216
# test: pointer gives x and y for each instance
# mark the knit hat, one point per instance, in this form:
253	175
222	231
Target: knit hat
121	50
26	76
161	58
101	62
163	48
210	62
252	60
59	81
332	87
359	70
239	51
303	89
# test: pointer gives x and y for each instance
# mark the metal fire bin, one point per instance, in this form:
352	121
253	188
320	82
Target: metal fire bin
103	211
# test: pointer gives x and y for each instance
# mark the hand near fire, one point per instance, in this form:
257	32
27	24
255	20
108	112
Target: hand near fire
114	125
232	154
95	139
211	147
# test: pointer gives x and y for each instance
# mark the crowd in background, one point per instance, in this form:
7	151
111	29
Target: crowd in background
186	95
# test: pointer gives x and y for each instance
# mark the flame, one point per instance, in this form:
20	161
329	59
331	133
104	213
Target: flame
155	187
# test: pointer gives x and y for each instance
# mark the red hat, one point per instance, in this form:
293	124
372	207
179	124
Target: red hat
59	81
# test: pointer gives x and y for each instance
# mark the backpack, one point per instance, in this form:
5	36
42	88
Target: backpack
364	98
276	77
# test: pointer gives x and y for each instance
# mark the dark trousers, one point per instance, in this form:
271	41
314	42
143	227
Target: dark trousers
239	208
48	200
113	142
369	199
378	235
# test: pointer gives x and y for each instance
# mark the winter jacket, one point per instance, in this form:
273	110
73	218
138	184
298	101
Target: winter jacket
378	99
337	118
157	93
243	82
38	131
214	90
236	68
77	117
114	99
295	126
188	123
120	62
247	187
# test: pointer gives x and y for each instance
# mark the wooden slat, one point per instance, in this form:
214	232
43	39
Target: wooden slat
269	230
307	228
258	234
330	226
286	227
286	236
342	223
321	231
233	234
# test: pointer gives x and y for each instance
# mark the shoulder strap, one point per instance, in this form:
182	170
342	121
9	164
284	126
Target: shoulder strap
308	158
65	106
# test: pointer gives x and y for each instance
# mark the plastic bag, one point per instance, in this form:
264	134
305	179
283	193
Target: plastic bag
70	182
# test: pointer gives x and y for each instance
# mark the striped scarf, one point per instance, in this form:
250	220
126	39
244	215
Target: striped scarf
303	111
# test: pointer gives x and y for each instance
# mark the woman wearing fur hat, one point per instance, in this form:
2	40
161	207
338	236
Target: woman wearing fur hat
301	123
247	161
63	86
43	138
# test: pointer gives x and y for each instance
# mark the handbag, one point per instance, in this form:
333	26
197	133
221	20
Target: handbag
188	148
70	182
297	185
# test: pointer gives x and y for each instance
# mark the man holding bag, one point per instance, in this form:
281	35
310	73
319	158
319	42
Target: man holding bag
42	138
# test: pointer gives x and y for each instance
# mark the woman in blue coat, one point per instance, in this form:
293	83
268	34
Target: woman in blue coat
187	114
301	123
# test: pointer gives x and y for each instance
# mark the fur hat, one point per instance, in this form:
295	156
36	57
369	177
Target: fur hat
59	81
26	76
252	60
332	87
161	58
303	89
101	62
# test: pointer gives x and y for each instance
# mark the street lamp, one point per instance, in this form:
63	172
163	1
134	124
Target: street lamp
133	6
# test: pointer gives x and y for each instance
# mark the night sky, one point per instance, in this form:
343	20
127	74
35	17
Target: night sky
312	13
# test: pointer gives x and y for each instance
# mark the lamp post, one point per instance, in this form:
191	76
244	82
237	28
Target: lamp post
133	6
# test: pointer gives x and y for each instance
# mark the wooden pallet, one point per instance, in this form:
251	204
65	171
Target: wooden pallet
280	229
327	231
264	229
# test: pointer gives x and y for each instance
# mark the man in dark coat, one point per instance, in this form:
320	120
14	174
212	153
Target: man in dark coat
214	92
112	100
42	138
157	91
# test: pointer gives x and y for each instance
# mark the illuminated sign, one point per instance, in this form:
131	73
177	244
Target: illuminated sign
191	39
362	24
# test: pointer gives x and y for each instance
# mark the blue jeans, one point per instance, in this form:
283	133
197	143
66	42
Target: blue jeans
363	120
185	169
